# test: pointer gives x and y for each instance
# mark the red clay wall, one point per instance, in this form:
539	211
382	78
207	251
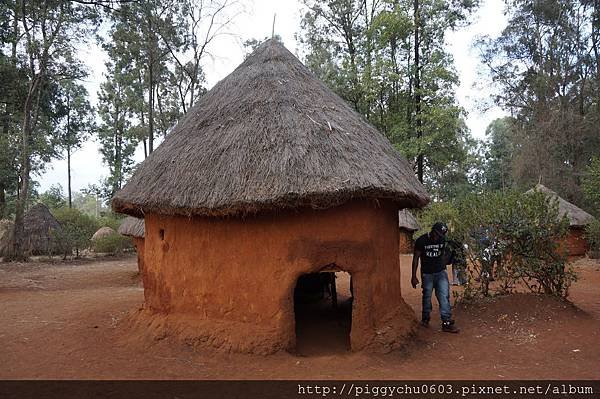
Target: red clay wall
575	243
234	279
139	246
407	244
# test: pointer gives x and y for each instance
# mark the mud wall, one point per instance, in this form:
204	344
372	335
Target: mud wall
575	243
407	244
139	247
234	278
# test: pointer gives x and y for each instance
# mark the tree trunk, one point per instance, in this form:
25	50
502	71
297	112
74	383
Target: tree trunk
2	200
19	228
418	94
69	175
151	109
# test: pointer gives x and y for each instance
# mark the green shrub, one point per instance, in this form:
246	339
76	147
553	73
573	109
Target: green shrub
111	220
112	244
592	234
519	233
76	230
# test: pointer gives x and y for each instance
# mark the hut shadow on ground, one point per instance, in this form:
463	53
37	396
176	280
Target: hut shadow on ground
322	323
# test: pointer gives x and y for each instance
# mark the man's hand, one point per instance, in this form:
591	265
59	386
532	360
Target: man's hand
414	281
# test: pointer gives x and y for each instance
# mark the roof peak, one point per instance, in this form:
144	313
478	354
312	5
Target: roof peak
268	136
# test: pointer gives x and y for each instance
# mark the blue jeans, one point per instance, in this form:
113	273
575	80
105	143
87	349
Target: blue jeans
439	281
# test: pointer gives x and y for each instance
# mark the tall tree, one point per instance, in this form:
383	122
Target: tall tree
387	58
76	125
117	139
45	34
546	66
499	155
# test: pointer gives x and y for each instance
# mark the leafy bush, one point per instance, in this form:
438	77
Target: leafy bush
76	230
590	183
111	220
112	244
592	234
518	233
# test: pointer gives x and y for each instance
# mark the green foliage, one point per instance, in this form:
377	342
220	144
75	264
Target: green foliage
519	233
53	198
76	229
591	185
592	234
364	51
545	67
500	149
112	244
111	220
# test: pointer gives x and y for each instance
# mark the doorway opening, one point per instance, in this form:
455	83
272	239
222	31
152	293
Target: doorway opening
323	312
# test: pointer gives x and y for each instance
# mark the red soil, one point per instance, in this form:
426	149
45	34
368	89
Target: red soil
69	320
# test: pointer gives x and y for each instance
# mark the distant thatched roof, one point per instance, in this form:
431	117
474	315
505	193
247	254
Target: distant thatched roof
103	232
407	221
38	224
132	227
577	216
270	135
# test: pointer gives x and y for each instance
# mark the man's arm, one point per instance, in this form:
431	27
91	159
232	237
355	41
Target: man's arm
414	281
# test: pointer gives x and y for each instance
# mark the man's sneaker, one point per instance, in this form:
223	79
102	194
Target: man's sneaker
425	322
449	327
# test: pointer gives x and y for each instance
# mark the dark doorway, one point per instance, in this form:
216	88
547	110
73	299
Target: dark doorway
323	313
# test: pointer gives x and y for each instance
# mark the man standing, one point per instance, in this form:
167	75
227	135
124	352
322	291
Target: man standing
429	248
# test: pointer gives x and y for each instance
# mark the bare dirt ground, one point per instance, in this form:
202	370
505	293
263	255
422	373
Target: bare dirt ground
68	321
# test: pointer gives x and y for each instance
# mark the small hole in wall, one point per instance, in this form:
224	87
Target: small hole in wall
161	234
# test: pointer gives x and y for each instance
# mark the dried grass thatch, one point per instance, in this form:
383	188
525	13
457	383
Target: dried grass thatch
6	237
577	216
406	220
103	232
39	226
268	136
132	227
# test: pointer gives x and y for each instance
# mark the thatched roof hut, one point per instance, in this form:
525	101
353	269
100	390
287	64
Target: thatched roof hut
39	224
577	216
408	225
268	136
269	177
132	227
575	244
6	237
407	221
103	232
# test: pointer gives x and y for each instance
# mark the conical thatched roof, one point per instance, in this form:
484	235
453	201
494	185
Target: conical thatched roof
132	227
407	221
270	135
103	232
38	225
577	216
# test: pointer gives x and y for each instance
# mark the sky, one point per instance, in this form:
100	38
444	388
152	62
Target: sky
256	21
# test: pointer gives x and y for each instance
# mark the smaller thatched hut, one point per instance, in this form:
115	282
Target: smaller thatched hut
39	230
575	243
134	228
6	237
408	225
103	232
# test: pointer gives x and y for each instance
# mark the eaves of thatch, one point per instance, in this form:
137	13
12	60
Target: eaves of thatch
406	220
268	136
577	216
132	227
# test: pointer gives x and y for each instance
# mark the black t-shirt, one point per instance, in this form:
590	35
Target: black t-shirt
432	254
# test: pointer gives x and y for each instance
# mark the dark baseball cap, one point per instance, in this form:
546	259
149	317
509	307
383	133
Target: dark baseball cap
440	228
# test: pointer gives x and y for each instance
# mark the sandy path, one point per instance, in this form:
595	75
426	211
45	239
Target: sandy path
66	321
